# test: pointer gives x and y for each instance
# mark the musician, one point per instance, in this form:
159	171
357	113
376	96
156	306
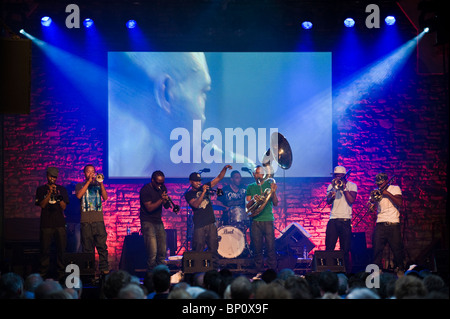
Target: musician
198	197
234	199
262	225
340	224
91	192
53	200
153	197
387	228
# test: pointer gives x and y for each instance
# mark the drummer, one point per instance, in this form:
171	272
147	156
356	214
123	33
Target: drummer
234	200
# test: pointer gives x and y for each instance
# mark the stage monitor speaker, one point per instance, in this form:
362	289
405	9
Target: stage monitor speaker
85	261
294	238
197	261
332	260
15	76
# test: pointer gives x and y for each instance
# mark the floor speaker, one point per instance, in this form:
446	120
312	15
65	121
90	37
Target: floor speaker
197	261
294	238
332	260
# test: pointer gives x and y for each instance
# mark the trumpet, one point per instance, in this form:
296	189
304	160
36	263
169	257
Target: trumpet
100	178
175	208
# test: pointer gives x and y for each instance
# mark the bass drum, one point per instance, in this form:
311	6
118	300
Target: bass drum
231	242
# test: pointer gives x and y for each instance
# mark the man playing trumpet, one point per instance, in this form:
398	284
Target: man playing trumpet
91	192
153	196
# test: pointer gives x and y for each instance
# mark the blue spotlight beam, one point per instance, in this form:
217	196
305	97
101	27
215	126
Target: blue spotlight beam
377	74
82	74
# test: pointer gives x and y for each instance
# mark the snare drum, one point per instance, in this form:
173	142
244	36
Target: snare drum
231	241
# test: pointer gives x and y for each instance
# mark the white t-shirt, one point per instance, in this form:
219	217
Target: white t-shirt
387	211
340	208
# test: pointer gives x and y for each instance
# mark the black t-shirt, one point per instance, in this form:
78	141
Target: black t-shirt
231	198
148	193
204	214
52	215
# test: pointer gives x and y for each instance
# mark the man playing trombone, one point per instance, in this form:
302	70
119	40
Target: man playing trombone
387	228
341	193
153	196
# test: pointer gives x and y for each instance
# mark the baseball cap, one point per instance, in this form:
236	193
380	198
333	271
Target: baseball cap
52	171
195	177
340	170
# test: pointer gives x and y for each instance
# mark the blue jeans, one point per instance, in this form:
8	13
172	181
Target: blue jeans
93	235
155	243
263	232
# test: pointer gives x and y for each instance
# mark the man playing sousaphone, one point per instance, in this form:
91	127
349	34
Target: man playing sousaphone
262	226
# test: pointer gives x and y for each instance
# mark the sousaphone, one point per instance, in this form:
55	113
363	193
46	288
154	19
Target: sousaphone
280	152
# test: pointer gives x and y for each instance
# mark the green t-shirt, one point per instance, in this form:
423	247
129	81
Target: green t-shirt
266	215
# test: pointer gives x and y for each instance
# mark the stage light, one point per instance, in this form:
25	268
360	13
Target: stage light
46	21
22	31
390	20
426	30
88	23
349	23
307	25
131	24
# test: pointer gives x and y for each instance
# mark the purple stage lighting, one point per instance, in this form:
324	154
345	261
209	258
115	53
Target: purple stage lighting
46	21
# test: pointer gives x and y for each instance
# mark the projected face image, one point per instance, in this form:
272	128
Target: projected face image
150	93
188	96
183	111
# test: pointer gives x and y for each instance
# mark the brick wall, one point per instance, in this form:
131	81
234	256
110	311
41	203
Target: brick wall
403	131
